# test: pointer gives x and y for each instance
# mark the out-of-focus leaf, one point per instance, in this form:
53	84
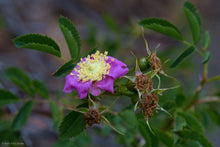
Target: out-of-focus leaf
192	121
129	119
71	35
107	122
21	79
161	26
179	123
93	50
214	115
186	53
206	57
91	34
206	41
72	125
67	67
82	140
165	138
38	42
190	143
180	99
195	135
40	88
56	114
7	97
142	127
22	116
111	22
9	136
194	21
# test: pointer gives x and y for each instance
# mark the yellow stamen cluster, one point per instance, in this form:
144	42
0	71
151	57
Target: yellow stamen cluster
94	68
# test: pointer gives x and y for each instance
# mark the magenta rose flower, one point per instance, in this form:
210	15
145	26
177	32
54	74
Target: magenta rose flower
95	72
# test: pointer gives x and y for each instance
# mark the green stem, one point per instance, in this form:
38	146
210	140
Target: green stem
189	44
213	79
64	59
146	44
208	100
199	88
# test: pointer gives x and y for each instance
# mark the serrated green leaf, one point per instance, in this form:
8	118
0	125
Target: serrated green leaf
192	121
7	97
194	135
56	114
72	125
21	79
194	21
40	88
71	35
22	116
67	67
165	138
186	53
206	57
143	129
38	42
161	26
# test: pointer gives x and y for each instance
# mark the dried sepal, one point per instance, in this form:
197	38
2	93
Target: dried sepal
92	116
162	109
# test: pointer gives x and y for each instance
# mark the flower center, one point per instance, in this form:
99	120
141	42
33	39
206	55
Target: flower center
94	68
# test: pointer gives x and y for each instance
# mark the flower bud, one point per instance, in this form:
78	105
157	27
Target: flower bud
143	63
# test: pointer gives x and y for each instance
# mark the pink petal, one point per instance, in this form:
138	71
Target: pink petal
117	69
73	83
95	91
106	84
